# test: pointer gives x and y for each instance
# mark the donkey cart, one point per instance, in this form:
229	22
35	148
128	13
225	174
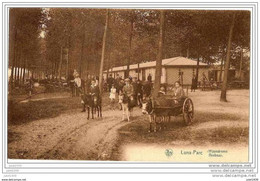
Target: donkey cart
160	109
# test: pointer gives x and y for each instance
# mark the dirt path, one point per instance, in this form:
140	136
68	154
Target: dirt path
67	137
71	136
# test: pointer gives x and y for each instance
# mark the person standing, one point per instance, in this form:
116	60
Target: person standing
75	73
88	84
128	89
116	84
149	78
147	88
112	96
97	80
77	81
121	84
193	83
110	82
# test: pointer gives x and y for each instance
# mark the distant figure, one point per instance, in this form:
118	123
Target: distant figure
75	73
110	82
204	79
88	84
149	78
30	86
147	88
193	83
121	84
112	96
97	80
77	81
116	83
128	102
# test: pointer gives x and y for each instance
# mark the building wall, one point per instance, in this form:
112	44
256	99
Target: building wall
169	74
173	74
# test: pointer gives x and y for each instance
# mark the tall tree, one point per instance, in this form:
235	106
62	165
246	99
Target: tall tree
103	54
223	96
158	70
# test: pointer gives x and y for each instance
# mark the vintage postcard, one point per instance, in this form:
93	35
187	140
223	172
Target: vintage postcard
144	84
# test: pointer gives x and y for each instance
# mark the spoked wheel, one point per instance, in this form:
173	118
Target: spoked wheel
188	111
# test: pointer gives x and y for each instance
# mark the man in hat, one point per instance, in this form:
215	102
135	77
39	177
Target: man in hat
128	88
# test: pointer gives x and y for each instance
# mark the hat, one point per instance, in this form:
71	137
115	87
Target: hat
162	89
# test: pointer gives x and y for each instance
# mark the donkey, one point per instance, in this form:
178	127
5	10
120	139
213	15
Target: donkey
96	105
127	104
86	101
157	116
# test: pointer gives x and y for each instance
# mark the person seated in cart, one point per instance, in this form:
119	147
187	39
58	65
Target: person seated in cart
178	92
161	92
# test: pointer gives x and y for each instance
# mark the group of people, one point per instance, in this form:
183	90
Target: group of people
118	87
137	89
130	87
79	86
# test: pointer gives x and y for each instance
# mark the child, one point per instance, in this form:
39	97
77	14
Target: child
112	96
161	92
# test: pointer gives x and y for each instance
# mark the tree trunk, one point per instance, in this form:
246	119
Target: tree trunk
24	67
221	68
138	70
130	45
82	53
13	57
223	96
18	69
60	64
103	55
67	67
197	71
15	71
158	70
241	63
21	68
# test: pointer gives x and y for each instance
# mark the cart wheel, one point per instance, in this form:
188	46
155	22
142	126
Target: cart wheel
188	111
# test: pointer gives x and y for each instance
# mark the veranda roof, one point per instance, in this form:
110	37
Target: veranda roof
176	61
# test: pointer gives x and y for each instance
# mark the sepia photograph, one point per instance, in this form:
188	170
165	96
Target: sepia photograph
129	84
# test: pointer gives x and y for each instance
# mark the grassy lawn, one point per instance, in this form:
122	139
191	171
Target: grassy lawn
43	106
